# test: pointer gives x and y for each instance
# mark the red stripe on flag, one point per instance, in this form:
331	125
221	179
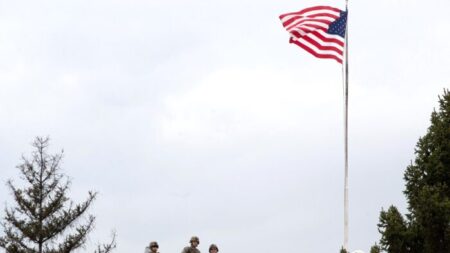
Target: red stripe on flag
316	54
315	8
296	34
324	15
320	46
303	19
307	29
316	27
328	40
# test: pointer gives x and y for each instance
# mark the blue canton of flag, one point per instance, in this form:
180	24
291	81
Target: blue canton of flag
339	26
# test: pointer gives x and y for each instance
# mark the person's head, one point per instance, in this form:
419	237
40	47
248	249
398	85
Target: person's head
153	247
194	241
213	248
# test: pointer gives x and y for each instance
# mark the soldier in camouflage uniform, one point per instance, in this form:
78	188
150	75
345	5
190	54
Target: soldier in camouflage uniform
152	248
213	248
193	248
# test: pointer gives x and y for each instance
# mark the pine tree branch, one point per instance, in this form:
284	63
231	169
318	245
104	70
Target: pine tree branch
28	171
59	224
76	240
52	186
108	247
54	165
55	203
14	242
26	206
28	229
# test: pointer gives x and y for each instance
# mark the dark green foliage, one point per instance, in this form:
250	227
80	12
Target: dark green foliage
427	225
44	219
393	231
343	250
375	249
428	182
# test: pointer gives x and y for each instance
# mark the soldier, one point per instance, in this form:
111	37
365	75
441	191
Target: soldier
152	248
213	248
193	248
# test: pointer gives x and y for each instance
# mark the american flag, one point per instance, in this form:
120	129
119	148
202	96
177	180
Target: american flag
320	30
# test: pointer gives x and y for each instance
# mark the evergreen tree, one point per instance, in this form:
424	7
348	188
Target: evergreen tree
428	182
393	229
343	250
427	225
375	249
44	219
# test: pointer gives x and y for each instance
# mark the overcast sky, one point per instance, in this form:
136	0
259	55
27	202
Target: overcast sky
199	118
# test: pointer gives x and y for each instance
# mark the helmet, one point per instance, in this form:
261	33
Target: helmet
153	244
213	246
194	239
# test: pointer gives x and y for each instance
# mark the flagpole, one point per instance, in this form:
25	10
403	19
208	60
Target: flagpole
346	137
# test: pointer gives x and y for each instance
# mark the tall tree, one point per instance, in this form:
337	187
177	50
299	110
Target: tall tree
393	229
44	219
427	190
428	182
